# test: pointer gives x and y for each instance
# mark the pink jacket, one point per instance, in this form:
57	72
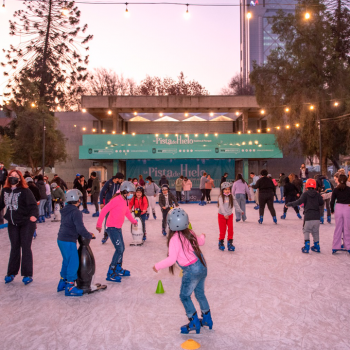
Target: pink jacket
209	185
187	185
118	208
185	256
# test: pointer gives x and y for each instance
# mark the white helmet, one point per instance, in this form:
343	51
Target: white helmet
226	185
73	195
127	186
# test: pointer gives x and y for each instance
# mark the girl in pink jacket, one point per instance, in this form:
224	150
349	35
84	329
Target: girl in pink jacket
184	249
117	208
187	186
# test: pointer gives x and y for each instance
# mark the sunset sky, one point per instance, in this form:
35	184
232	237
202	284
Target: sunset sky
156	40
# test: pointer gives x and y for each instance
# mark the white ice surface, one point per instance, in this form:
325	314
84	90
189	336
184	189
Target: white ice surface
265	295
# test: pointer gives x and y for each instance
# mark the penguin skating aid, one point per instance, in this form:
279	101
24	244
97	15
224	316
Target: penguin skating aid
137	233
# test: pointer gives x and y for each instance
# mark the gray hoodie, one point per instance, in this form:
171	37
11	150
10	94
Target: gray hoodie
224	206
151	189
202	182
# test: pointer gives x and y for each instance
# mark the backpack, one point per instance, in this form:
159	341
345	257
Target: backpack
326	186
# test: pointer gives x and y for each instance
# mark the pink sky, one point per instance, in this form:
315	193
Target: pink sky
156	40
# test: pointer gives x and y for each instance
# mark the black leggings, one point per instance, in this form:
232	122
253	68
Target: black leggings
21	237
165	213
266	198
203	194
288	200
207	193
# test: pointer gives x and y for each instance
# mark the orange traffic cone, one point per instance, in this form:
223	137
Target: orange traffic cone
190	344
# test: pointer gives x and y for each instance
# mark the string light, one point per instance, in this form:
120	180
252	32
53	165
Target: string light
336	104
127	13
83	110
109	142
74	125
93	130
157	135
287	109
133	134
186	114
135	113
312	107
216	134
256	142
212	114
237	113
287	126
109	112
123	132
195	135
166	135
187	13
249	15
259	131
243	143
268	129
297	125
113	132
277	127
262	111
83	128
161	114
307	15
103	130
206	135
239	133
33	104
249	131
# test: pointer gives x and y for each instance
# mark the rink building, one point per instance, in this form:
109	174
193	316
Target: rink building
170	135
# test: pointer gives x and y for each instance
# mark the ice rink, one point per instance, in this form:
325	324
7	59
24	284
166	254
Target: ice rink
265	295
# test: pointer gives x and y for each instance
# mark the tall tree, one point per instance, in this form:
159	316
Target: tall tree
237	87
6	150
309	68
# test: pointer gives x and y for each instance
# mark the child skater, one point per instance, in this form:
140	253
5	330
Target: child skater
183	246
140	204
312	201
166	201
117	208
225	217
71	228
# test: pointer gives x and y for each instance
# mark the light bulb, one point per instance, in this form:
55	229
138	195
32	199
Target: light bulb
133	134
336	104
312	107
123	132
205	135
278	128
268	129
157	135
307	15
113	132
84	129
249	131
166	135
287	126
297	125
93	130
103	130
262	111
127	13
65	11
186	114
109	112
83	110
239	133
161	114
216	134
211	114
259	131
287	109
135	113
237	114
195	135
249	15
187	13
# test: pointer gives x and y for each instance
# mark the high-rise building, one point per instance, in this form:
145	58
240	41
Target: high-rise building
257	39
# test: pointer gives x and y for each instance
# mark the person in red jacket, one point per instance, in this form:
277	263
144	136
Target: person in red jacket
139	203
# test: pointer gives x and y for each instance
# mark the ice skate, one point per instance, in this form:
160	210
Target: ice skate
256	207
9	279
85	211
230	246
238	220
322	220
96	215
27	280
154	216
61	285
206	320
105	238
42	218
111	275
34	234
316	247
164	232
222	244
329	219
334	251
72	291
39	221
274	219
260	221
147	216
121	272
283	216
194	325
144	237
306	248
299	216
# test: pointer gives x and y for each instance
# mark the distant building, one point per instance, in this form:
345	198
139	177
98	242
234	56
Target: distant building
257	39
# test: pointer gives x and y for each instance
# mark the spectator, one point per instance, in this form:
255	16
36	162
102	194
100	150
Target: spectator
304	172
151	191
60	182
223	178
48	204
77	179
135	182
281	182
208	187
202	183
163	181
3	175
298	183
253	192
81	185
178	187
95	192
43	198
33	188
141	181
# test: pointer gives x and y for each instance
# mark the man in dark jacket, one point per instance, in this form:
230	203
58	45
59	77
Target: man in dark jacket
223	178
267	192
163	181
167	201
312	201
3	175
43	198
81	185
60	182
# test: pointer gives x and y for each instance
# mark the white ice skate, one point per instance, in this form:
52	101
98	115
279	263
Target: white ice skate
137	233
57	213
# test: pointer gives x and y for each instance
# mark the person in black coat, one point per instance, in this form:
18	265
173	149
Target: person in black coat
33	188
81	185
223	178
3	174
290	195
267	191
163	181
21	214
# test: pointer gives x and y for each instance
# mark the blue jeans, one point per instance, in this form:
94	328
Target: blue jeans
70	263
241	200
282	192
143	219
193	280
187	195
42	207
116	236
48	204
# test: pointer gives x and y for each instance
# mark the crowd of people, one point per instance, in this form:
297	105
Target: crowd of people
29	200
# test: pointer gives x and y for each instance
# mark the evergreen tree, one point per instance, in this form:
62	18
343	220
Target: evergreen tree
6	150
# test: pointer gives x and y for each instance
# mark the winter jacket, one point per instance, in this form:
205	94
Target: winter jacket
312	201
187	185
34	190
20	204
89	184
42	189
210	184
72	225
108	191
306	176
171	198
298	183
223	179
48	189
151	189
58	195
95	186
117	208
265	185
341	196
60	183
141	204
163	181
178	185
80	187
224	206
3	175
202	182
142	182
290	190
281	182
240	187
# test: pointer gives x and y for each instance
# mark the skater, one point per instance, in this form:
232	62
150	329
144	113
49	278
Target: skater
167	201
298	183
95	192
281	183
325	188
341	194
43	198
72	226
240	191
208	187
117	208
187	186
58	199
135	182
48	204
139	203
275	183
223	178
33	188
253	192
312	201
60	182
226	202
109	189
21	214
151	192
81	185
3	175
202	183
183	246
141	181
267	191
76	180
178	188
163	181
290	193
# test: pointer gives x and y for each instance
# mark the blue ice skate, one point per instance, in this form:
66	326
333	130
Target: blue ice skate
334	251
42	218
27	280
154	216
111	275
121	272
164	232
260	221
329	219
105	238
194	325
34	234
39	221
306	248
299	216
221	244
61	285
96	215
85	211
283	216
206	320
238	220
316	247
9	279
274	219
322	220
72	290
144	237
256	207
147	216
230	246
